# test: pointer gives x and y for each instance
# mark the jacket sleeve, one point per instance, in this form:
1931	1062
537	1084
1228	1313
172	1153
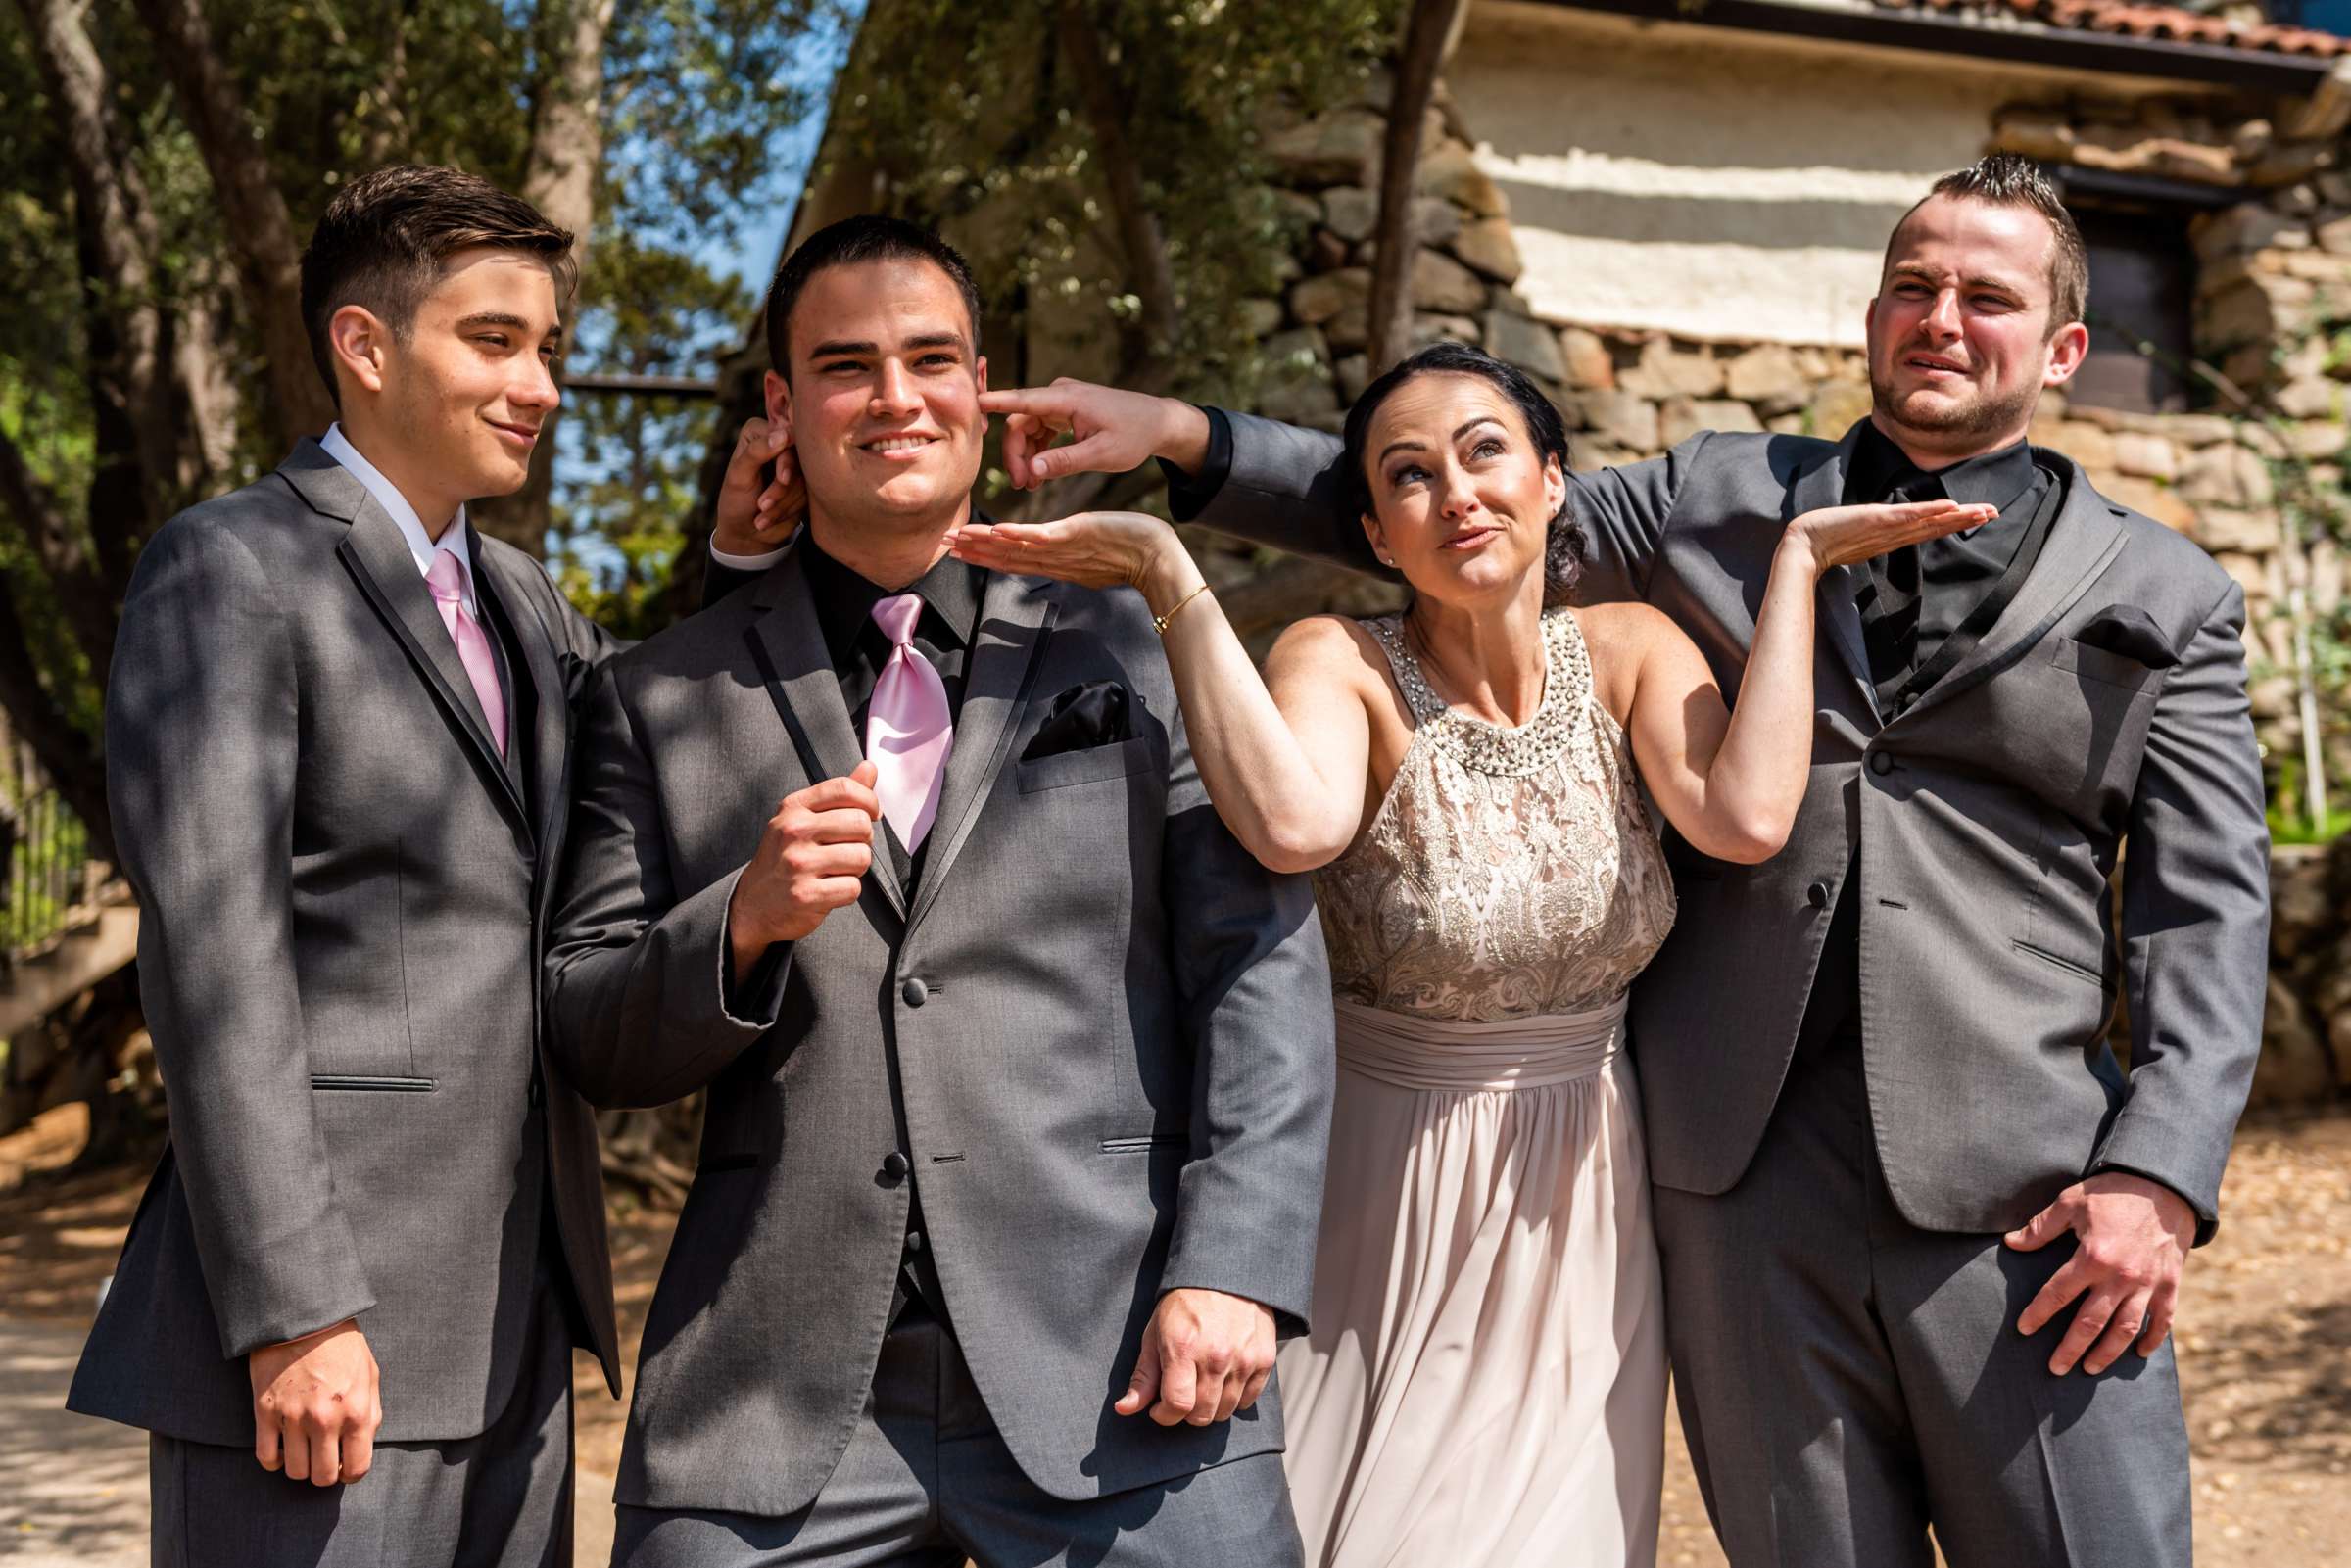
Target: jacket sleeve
1255	988
640	1001
203	719
2195	921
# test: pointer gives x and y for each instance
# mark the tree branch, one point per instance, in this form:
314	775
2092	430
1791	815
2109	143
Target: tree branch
259	232
73	580
1428	32
66	755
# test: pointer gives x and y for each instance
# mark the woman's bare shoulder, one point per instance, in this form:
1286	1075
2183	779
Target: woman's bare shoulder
1620	640
1326	646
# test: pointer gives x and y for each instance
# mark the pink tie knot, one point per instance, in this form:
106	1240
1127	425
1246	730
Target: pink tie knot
897	615
445	577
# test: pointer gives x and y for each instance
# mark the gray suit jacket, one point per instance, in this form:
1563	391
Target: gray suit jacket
1109	1026
341	892
1989	817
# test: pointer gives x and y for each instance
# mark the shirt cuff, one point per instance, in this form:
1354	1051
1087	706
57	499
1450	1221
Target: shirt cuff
758	563
1188	494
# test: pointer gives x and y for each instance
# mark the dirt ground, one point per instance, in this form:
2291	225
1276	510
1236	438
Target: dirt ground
2264	1326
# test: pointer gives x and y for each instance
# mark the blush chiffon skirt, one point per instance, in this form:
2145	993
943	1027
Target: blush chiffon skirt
1484	1382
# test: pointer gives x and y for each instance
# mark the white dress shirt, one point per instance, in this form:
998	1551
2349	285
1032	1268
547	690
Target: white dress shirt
748	563
453	538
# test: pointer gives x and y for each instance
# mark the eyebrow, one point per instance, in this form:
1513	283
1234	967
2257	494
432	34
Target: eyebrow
1914	269
1407	444
503	318
834	347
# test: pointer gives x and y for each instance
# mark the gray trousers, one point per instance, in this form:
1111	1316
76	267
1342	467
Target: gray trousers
502	1500
926	1481
1847	1381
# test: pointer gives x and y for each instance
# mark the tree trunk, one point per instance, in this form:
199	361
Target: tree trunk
1429	36
1139	236
115	234
260	235
567	148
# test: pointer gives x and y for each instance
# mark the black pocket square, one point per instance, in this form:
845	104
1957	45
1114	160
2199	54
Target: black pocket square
1081	718
2131	632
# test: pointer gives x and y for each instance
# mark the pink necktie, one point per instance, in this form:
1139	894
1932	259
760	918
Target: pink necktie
907	731
446	579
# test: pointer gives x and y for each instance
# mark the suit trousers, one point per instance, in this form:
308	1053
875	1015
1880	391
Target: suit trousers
1847	1381
502	1500
926	1481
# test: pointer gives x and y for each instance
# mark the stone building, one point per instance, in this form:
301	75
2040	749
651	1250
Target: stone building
1672	214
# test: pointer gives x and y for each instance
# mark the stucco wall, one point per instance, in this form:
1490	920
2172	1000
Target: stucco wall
1715	185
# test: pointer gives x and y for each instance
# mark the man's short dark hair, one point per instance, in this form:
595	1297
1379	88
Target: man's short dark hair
848	243
386	234
2009	179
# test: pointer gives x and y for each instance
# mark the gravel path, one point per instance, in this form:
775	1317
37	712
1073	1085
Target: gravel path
2265	1344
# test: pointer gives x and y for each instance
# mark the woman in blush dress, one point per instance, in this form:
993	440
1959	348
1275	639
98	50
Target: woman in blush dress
1482	1384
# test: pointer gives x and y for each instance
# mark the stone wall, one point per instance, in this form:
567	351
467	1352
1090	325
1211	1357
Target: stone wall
2274	318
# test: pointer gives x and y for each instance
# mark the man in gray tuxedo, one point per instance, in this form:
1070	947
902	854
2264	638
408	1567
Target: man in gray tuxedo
1019	1067
1889	1144
337	743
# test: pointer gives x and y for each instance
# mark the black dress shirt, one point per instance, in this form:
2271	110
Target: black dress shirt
1913	600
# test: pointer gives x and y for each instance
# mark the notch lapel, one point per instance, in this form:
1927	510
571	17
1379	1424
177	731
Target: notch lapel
386	573
789	644
499	583
1016	619
1838	607
2086	535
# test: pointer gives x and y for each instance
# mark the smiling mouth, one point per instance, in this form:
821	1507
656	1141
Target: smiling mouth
527	435
892	445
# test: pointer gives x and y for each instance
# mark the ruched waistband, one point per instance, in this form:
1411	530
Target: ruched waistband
1433	1054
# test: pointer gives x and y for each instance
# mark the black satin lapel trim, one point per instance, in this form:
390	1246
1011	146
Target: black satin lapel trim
2086	536
1016	621
789	646
551	729
1840	610
386	574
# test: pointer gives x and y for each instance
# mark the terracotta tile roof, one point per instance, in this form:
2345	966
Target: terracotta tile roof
2163	22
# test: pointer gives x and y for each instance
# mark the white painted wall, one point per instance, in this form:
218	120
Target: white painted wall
1718	184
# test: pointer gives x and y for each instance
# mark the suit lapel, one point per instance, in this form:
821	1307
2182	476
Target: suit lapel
789	644
1016	618
503	589
1823	485
386	573
2086	535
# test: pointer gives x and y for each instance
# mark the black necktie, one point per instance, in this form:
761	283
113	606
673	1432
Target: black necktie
1889	621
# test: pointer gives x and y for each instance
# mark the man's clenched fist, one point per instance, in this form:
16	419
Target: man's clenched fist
316	1407
810	861
1205	1354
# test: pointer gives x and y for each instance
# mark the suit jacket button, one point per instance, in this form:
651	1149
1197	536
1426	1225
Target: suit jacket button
1817	895
915	992
893	1164
1881	762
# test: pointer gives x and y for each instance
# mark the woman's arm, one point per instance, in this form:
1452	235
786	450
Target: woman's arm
1730	781
1286	766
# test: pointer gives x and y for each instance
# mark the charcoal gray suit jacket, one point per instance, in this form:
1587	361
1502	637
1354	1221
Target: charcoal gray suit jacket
1988	817
341	889
1110	1029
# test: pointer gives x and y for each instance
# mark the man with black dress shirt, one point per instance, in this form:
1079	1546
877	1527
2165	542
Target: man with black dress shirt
1922	1232
1018	1066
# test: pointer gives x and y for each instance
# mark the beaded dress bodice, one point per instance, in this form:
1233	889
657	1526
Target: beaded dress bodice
1508	873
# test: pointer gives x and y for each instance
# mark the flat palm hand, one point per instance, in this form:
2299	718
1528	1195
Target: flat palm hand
1093	550
1840	536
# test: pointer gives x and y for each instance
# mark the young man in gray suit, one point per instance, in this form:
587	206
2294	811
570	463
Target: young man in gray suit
1922	1233
1019	1067
337	744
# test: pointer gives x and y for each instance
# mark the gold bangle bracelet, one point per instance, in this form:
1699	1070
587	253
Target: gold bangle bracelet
1159	623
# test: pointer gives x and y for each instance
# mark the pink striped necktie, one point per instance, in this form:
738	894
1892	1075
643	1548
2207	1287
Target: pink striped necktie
908	731
446	579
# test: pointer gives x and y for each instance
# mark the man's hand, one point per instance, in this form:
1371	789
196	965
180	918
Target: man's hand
2134	1236
1115	430
316	1407
1205	1356
816	848
761	501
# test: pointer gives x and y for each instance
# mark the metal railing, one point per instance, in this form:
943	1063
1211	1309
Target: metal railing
45	873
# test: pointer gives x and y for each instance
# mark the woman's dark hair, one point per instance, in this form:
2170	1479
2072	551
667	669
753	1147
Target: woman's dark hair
1563	547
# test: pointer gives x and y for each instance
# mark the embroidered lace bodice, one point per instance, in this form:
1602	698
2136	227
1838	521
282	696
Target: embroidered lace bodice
1508	871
